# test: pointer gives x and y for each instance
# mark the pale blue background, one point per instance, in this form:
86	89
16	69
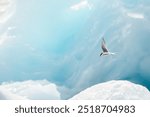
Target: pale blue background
62	45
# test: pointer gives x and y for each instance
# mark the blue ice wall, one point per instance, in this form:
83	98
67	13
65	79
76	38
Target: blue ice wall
63	46
125	26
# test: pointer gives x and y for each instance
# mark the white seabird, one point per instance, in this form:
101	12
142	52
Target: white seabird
104	49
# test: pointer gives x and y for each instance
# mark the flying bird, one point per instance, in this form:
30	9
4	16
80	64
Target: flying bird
104	49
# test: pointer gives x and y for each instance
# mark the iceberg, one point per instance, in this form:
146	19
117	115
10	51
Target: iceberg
114	90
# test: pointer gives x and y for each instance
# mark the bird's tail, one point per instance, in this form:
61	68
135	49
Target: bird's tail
113	53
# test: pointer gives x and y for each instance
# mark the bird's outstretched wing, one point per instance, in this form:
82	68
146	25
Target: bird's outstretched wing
103	46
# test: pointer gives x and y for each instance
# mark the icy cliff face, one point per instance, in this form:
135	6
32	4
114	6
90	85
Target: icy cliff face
64	47
114	90
125	26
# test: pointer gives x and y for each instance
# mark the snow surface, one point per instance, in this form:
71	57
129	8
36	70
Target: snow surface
7	95
114	90
34	90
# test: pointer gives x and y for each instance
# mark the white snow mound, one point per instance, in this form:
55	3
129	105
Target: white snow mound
7	95
29	89
114	90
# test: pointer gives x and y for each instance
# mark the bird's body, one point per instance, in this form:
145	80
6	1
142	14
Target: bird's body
104	49
104	53
107	53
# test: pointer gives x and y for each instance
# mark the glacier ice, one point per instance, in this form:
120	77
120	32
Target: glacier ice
7	95
34	90
66	51
111	90
125	27
114	90
7	8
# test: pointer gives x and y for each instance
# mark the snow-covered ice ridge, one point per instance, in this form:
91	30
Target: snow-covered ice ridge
30	90
111	90
114	90
6	95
